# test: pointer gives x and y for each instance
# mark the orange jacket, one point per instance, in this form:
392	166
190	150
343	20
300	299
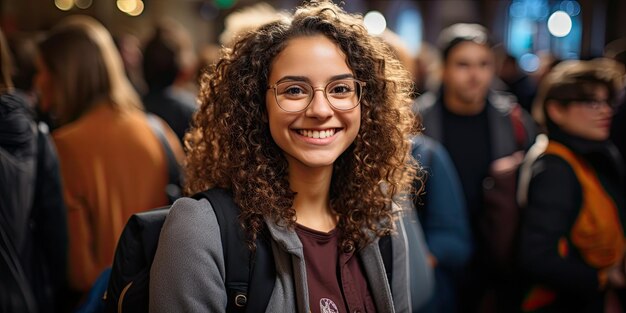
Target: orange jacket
113	166
596	234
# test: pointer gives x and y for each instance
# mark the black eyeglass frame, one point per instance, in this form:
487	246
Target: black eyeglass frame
593	104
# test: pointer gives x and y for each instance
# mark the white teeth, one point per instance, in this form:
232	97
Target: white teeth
317	134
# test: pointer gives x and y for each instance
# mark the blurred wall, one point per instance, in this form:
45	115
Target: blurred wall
604	20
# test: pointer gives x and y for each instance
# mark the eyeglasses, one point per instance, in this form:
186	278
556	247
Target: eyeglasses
296	96
595	104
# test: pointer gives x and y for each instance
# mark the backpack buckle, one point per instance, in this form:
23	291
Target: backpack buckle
241	300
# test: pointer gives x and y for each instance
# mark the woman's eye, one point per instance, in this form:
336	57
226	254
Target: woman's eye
340	89
293	91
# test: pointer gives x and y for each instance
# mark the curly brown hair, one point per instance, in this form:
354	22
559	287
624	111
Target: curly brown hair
230	145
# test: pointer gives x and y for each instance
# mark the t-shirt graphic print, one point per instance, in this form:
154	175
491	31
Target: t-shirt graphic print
328	306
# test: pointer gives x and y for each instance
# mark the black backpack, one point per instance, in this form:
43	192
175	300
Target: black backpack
249	278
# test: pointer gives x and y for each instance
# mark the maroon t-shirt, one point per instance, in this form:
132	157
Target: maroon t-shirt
335	279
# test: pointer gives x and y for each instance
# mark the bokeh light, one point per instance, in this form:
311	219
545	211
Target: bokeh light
559	24
127	6
224	4
64	5
529	62
83	4
375	22
138	9
570	7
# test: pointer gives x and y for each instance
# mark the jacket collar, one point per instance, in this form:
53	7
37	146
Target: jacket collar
600	153
498	106
370	255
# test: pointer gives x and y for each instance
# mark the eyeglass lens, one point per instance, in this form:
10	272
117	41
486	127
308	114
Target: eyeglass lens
294	96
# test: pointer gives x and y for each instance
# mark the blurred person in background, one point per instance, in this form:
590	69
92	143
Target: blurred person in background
112	162
572	239
477	126
443	216
247	19
129	47
440	210
33	223
23	48
515	80
169	63
427	69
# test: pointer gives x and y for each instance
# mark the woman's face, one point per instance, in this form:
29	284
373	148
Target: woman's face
586	119
318	135
43	84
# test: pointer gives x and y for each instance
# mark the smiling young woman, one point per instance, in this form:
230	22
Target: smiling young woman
306	121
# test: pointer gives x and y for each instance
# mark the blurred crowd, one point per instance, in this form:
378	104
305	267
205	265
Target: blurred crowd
523	183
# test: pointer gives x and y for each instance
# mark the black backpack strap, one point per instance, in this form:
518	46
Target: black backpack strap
384	243
240	282
263	275
236	253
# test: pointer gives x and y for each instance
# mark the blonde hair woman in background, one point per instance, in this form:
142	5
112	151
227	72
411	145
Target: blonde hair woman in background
112	163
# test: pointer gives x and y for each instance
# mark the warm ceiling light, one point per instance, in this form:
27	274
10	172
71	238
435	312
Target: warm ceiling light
83	4
127	6
64	5
138	9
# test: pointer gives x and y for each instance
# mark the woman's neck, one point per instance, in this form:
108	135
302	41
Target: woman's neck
312	202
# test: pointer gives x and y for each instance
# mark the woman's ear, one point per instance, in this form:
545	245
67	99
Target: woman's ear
555	111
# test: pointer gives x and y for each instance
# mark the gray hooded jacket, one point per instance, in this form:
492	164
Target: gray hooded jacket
188	272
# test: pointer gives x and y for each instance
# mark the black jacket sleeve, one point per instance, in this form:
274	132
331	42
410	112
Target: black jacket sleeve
49	212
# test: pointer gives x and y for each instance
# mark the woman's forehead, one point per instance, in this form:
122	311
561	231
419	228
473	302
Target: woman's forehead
311	56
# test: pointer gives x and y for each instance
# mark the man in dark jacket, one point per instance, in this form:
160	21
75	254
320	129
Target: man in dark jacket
33	230
475	125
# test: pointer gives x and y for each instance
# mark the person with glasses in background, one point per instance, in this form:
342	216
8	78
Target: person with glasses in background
306	123
572	240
